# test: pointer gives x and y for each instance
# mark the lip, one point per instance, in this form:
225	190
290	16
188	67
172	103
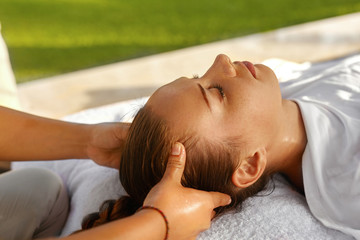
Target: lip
250	67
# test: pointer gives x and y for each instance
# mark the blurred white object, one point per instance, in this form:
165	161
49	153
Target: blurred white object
8	91
286	70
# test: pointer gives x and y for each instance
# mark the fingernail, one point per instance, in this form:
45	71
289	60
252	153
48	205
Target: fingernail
176	149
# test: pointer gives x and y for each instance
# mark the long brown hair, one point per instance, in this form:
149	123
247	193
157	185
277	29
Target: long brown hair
209	166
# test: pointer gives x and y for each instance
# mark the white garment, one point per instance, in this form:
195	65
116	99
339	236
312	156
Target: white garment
330	105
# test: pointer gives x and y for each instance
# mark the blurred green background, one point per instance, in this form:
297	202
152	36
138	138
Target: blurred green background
47	38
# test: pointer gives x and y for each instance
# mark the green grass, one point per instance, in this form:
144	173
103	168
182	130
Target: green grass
47	38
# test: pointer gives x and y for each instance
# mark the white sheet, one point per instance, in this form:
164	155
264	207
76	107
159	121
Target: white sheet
283	214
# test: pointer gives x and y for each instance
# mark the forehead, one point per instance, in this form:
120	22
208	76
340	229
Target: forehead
181	105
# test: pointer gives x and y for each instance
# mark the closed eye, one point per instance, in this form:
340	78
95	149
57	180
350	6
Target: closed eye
220	89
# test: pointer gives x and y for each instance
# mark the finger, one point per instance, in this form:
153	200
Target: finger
176	163
220	199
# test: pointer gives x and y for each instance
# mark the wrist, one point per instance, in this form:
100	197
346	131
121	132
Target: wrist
157	216
88	135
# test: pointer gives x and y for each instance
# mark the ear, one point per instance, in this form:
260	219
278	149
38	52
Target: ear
250	169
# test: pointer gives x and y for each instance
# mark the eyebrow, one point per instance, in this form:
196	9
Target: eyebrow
204	96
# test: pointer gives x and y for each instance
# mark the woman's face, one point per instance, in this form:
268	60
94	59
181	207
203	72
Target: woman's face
232	99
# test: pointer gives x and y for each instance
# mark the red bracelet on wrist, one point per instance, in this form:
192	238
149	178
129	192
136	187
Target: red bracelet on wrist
162	214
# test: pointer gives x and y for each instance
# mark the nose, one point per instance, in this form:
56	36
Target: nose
223	63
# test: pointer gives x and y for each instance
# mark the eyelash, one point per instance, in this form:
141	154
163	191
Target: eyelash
217	86
195	76
221	90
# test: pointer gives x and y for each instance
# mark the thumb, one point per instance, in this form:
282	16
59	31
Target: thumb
220	199
176	163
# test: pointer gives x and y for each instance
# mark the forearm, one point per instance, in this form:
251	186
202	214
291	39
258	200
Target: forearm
146	224
28	137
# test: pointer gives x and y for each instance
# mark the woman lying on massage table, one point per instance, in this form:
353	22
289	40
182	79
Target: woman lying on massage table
239	128
33	202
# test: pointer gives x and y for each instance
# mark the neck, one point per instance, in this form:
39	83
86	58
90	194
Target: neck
285	154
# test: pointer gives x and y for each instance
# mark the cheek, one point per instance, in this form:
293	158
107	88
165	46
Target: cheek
253	107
